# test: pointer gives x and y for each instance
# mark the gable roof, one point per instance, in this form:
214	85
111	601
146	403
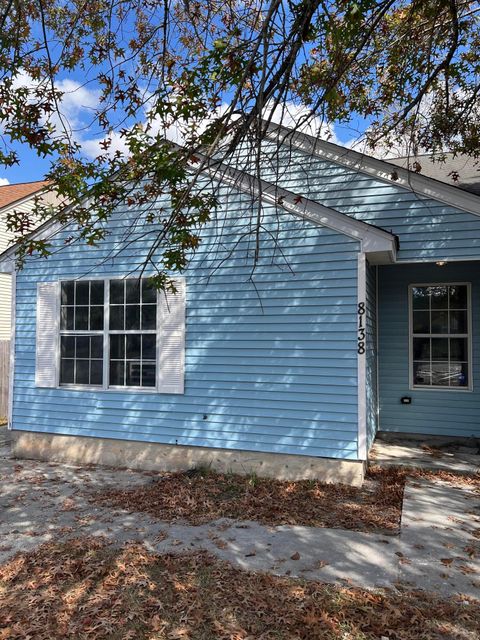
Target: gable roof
422	185
12	193
380	244
457	169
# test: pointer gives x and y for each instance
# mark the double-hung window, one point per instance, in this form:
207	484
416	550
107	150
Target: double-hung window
440	336
132	333
81	332
110	334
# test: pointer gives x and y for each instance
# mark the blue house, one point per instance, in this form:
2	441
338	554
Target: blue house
363	316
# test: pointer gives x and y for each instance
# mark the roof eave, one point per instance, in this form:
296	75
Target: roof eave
417	183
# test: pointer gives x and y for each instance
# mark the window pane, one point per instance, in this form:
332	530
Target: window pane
117	347
66	371
96	372
148	375
81	356
132	288
440	361
149	293
421	322
116	292
422	373
440	374
116	318
66	318
439	321
82	372
420	298
149	347
439	297
459	375
81	318
439	348
132	317
82	293
458	297
458	349
96	318
133	347
67	296
117	370
96	347
421	349
458	322
149	316
96	292
83	347
133	374
67	347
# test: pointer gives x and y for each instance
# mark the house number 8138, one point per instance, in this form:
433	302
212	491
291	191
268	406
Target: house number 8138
361	328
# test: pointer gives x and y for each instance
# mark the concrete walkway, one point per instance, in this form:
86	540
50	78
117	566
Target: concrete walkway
429	453
440	530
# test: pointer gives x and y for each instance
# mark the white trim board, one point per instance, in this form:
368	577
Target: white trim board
379	244
415	182
362	359
12	350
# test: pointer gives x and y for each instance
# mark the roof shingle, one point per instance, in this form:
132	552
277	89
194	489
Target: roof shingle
11	193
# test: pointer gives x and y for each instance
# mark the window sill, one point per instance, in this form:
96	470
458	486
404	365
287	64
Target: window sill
430	388
75	387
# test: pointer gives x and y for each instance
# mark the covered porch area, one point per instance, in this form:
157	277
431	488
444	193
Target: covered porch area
428	361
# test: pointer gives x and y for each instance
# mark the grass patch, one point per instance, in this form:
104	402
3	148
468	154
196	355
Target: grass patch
202	495
85	589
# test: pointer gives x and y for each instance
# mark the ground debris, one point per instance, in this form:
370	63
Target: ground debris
198	497
86	588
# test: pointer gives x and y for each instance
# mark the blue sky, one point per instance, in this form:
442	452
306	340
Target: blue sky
78	105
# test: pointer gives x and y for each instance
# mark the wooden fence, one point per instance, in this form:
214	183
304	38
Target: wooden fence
4	377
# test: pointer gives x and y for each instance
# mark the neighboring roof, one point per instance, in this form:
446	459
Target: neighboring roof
11	193
458	170
419	184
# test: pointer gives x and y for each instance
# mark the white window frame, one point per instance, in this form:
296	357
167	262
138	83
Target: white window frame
106	341
411	335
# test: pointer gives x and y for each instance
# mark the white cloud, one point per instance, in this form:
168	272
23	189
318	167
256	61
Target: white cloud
291	115
4	182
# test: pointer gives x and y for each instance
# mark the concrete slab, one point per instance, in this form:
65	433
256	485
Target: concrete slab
42	501
426	454
440	538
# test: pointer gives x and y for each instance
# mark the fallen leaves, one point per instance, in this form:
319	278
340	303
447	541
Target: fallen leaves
198	498
86	589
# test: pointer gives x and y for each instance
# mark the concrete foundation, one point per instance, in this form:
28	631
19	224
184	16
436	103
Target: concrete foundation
161	457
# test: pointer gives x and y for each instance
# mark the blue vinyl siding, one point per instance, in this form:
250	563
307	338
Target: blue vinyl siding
428	230
438	412
268	368
371	356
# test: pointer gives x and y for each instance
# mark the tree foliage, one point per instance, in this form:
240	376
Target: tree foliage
214	72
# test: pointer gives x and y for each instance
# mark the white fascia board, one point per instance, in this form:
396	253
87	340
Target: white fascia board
45	231
372	239
390	174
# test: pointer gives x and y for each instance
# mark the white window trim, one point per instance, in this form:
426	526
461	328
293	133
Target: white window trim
106	343
414	387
